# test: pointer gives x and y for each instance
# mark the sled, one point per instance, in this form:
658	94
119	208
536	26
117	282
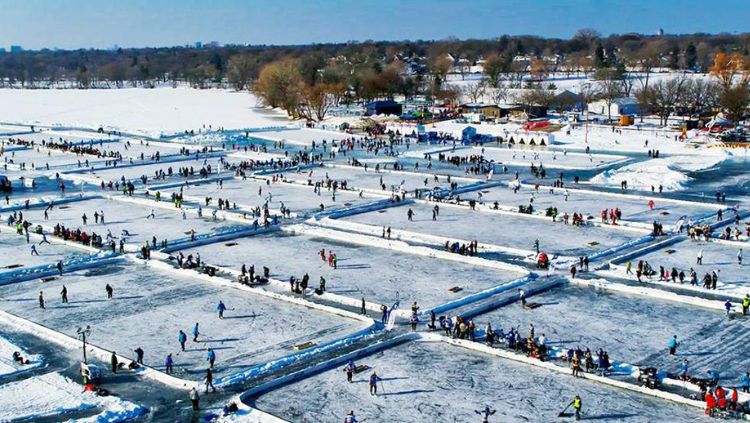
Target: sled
304	346
361	368
49	278
63	207
230	244
456	289
664	213
532	306
13	266
670	251
593	243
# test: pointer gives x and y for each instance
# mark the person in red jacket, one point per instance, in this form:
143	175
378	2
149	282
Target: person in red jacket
710	402
733	402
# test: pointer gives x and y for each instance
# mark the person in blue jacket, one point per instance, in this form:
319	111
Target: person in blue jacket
196	332
374	379
728	307
182	338
745	382
684	369
673	344
221	308
211	357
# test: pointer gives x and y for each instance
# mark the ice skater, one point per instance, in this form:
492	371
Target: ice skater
182	338
374	379
349	369
221	308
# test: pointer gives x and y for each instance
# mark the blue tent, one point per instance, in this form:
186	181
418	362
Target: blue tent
468	133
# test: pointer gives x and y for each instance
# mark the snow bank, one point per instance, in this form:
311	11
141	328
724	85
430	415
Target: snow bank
55	395
644	175
8	367
669	172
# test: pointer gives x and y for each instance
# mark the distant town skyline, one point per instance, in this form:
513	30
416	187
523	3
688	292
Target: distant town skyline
73	24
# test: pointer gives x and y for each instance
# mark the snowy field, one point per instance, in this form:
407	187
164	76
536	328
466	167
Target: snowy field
151	112
119	216
376	274
427	382
255	329
507	230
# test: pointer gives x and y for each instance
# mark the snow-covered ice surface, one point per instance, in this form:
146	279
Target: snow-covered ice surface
151	112
508	230
717	256
525	157
573	317
302	136
15	253
591	203
370	179
55	396
376	274
251	193
134	172
430	382
118	216
255	343
254	329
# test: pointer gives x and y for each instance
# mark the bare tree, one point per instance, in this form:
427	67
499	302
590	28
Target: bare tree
500	93
664	96
701	94
474	90
609	90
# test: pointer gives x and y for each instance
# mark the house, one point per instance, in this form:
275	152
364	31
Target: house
486	110
619	106
383	107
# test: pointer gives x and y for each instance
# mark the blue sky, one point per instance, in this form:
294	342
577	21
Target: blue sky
68	24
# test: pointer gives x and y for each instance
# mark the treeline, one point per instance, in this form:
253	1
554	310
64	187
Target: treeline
238	64
307	80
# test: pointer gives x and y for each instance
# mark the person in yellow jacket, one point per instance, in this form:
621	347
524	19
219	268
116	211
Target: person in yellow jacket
577	404
745	304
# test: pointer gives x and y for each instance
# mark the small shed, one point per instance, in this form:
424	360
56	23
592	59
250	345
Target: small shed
383	107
